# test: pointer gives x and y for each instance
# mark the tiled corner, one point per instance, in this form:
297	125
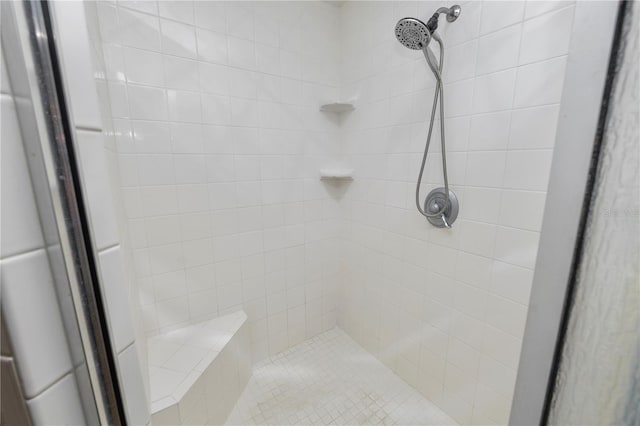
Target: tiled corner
196	101
116	291
136	400
97	188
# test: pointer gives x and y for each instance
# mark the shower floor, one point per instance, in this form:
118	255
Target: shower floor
330	380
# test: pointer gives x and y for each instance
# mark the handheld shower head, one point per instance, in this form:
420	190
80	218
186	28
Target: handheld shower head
416	35
413	33
441	205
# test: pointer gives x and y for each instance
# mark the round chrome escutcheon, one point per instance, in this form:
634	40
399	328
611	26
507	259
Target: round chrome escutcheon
433	204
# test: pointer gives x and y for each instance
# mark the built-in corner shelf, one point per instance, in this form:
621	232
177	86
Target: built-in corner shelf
337	107
336	174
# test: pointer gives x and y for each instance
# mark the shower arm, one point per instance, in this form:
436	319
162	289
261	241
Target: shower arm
452	12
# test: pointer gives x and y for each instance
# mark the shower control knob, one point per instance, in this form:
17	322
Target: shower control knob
434	203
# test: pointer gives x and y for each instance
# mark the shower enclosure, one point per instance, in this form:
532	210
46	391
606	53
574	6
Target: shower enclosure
247	176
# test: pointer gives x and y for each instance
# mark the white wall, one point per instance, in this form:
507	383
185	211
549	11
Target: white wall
445	309
219	141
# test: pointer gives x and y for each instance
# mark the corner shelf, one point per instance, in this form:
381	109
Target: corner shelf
336	174
337	107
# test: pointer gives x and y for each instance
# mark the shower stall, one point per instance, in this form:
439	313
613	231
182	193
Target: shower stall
302	212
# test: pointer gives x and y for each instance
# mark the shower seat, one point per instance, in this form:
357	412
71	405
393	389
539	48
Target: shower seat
198	372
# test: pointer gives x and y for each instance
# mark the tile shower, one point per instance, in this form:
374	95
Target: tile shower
213	111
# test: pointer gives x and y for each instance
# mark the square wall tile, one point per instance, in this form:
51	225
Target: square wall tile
76	57
499	14
20	222
5	86
30	309
490	131
534	128
178	39
494	92
486	168
139	29
211	16
184	106
46	407
499	50
143	67
546	36
212	47
181	73
517	247
535	8
528	170
522	209
511	282
147	103
540	83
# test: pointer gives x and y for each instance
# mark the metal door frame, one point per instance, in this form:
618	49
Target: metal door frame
29	43
588	77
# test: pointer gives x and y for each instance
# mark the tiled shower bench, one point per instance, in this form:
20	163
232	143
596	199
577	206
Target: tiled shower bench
197	373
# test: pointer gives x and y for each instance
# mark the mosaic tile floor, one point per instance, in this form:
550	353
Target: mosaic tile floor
331	380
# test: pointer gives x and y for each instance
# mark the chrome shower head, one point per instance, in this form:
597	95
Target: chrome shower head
413	33
416	35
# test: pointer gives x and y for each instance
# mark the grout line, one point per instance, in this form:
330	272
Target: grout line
127	347
50	385
108	247
89	129
306	131
27	252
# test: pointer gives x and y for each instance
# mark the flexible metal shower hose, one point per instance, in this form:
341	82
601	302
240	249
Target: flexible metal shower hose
437	71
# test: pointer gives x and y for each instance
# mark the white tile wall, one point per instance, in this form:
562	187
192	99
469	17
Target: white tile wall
4	77
27	287
95	151
21	231
58	404
75	57
449	306
133	386
219	137
117	297
30	307
97	187
202	369
219	140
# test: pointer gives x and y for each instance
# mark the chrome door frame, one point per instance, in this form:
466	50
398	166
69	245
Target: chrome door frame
29	43
590	69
